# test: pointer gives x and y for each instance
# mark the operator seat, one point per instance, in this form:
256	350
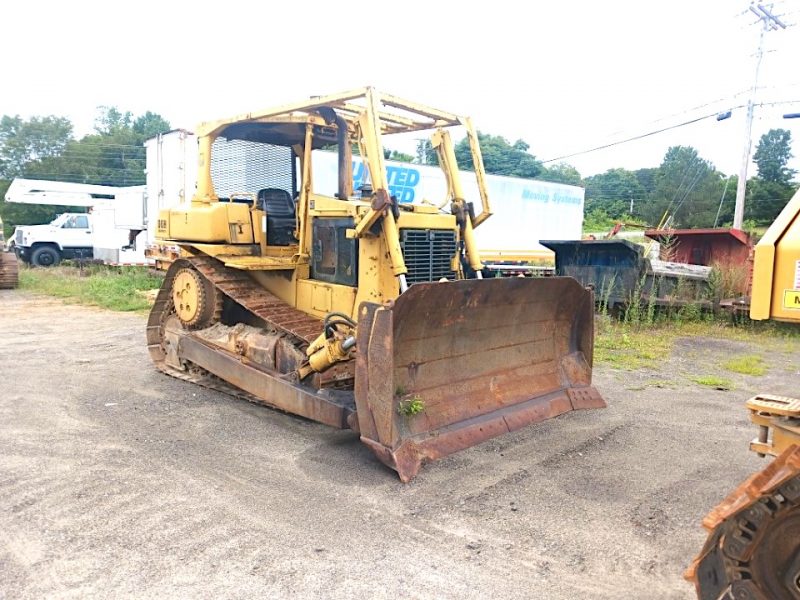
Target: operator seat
281	215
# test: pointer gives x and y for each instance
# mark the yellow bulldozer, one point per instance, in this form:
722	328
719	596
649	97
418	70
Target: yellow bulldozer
753	548
350	308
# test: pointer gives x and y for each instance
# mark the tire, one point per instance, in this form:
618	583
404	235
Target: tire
45	256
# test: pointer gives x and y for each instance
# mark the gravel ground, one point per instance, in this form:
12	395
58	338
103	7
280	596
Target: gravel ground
118	481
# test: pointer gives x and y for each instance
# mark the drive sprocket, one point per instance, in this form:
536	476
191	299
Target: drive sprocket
195	300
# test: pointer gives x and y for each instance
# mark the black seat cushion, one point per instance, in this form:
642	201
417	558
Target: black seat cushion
281	216
277	202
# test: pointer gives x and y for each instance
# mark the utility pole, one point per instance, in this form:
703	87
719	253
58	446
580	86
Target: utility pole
768	22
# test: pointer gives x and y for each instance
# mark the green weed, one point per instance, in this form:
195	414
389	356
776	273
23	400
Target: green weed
629	348
719	383
411	406
746	365
660	383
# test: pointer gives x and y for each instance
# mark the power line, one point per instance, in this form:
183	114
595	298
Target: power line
721	200
689	190
663	129
685	112
634	138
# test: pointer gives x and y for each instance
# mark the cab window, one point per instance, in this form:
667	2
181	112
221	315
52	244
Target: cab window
76	222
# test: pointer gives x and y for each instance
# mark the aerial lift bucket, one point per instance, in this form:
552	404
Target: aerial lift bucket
452	364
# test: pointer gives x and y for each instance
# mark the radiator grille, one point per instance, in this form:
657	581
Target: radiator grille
428	254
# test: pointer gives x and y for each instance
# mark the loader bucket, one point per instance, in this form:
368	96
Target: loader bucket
452	364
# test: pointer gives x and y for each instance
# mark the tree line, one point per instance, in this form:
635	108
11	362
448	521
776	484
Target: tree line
685	187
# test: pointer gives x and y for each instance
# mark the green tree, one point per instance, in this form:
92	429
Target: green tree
149	125
766	199
397	155
617	193
113	155
426	155
500	157
43	148
726	202
773	152
561	173
111	120
687	187
647	179
23	141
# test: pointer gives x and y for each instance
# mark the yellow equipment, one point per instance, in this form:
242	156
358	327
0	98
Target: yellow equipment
9	278
753	547
348	308
776	269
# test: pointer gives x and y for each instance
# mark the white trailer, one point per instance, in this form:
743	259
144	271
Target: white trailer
170	173
525	211
171	177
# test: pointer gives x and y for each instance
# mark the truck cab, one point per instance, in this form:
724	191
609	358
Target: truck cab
69	235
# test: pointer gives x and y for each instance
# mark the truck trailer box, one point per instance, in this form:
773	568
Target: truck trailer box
525	211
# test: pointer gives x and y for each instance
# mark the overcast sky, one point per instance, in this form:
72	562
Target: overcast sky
564	76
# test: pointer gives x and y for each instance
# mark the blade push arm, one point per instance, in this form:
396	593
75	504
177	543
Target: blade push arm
381	204
443	144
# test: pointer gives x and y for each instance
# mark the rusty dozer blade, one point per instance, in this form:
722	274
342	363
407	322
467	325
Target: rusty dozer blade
452	364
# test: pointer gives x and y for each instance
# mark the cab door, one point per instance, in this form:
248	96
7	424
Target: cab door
76	232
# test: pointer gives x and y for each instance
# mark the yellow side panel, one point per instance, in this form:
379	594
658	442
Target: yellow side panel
761	295
413	220
786	280
213	223
280	283
319	298
162	225
773	270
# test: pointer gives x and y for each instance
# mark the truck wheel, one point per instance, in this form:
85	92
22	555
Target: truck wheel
45	256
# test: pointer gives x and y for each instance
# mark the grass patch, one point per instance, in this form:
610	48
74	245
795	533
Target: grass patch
629	348
633	345
746	365
718	383
115	288
758	332
660	383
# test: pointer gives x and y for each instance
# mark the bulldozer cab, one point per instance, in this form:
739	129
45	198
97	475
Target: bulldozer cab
384	301
278	148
